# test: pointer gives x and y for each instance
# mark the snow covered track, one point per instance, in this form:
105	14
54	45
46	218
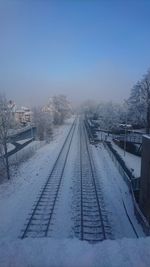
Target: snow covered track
92	223
42	214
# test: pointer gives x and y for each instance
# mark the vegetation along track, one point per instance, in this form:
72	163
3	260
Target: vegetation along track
91	223
41	216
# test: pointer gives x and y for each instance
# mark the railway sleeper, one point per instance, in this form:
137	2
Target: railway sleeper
91	209
89	201
92	226
40	214
93	233
35	231
34	224
90	194
92	201
88	224
91	216
94	240
38	207
39	219
93	221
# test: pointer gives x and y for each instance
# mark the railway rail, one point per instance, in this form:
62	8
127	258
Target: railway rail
91	221
91	224
40	220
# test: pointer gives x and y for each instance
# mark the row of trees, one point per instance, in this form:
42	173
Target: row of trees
109	114
135	110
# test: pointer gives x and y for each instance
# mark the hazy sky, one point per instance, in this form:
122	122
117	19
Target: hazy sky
85	49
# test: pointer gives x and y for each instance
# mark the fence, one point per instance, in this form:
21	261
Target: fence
21	155
131	138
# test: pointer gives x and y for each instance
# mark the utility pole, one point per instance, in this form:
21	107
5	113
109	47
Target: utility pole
125	130
31	131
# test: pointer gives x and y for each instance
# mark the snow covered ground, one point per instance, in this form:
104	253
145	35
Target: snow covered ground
132	161
115	191
62	249
63	220
19	130
21	142
18	195
74	253
9	147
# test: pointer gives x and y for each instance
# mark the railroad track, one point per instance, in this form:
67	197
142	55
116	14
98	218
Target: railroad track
40	220
91	223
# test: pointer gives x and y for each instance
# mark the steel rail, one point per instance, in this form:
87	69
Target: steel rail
61	176
127	214
91	215
95	188
72	129
81	237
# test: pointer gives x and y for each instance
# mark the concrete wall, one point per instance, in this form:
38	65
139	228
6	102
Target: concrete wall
144	200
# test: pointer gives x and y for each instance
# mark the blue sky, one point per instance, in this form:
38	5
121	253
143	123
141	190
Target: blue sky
85	49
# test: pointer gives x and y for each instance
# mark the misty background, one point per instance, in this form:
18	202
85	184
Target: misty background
84	49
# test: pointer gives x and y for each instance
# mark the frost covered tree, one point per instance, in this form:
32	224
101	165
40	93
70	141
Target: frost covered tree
139	102
59	108
5	125
89	107
62	109
109	114
43	122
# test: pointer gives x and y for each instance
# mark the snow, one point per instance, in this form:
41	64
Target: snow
140	131
19	130
132	161
115	191
63	218
18	195
62	249
21	142
146	136
25	153
9	147
48	252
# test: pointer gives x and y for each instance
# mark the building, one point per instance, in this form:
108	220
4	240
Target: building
23	116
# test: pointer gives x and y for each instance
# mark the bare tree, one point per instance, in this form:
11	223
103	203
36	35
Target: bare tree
5	123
